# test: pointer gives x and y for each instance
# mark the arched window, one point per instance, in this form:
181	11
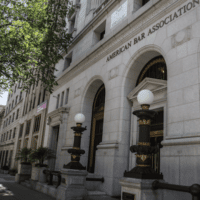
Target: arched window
155	68
96	127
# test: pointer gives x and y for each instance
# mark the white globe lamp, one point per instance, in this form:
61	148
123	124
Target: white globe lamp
145	97
79	118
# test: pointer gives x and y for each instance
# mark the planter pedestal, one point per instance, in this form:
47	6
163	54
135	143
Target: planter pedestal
72	185
139	189
42	176
24	172
35	173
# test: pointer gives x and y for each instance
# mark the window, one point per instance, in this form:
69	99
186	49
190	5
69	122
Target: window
68	60
7	136
33	86
20	96
9	107
1	137
72	25
13	104
13	117
99	33
37	124
10	134
28	125
44	93
66	96
34	102
15	88
21	130
26	108
62	97
58	99
4	138
39	98
14	132
9	120
16	100
17	114
144	2
30	105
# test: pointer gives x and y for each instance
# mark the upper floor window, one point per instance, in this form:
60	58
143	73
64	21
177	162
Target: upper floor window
68	60
7	136
20	96
9	120
21	130
62	97
15	88
66	96
17	114
28	125
30	105
145	1
58	99
37	124
99	33
44	93
13	117
14	132
39	98
16	100
10	134
34	101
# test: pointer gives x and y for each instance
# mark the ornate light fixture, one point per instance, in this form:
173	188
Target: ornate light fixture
76	151
143	149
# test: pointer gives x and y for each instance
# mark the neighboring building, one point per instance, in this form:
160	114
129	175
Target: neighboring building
119	48
23	124
10	127
2	111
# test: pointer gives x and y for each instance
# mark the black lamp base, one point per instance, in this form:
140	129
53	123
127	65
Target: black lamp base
74	165
143	173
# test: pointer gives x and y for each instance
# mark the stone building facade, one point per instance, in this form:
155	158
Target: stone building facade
24	122
119	48
10	127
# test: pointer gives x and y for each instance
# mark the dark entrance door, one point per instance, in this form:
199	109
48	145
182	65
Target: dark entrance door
53	145
96	127
156	137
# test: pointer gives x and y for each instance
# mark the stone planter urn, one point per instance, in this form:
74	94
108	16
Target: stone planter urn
35	173
42	176
24	172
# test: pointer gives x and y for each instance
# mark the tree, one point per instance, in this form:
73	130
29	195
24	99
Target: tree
33	37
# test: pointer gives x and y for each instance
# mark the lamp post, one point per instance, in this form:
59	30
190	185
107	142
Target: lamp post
76	151
143	149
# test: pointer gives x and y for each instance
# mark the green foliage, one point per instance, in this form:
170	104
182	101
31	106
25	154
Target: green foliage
33	39
41	154
23	154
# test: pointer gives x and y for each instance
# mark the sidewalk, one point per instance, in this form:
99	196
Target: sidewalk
9	190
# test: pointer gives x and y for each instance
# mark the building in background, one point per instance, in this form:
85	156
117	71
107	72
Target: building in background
10	127
23	123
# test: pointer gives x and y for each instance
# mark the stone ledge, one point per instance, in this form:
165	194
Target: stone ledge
181	141
108	145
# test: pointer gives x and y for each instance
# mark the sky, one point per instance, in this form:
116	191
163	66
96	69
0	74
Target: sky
3	99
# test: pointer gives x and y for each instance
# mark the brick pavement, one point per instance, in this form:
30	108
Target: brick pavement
14	191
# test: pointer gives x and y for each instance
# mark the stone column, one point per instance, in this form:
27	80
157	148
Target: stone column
72	185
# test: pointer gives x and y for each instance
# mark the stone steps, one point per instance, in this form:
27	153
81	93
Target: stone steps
98	195
26	184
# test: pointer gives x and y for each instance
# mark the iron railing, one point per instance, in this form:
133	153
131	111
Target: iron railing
194	189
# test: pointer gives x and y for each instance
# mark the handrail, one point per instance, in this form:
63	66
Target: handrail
194	189
51	173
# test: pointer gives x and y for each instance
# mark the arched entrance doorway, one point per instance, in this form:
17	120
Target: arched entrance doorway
155	68
96	126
